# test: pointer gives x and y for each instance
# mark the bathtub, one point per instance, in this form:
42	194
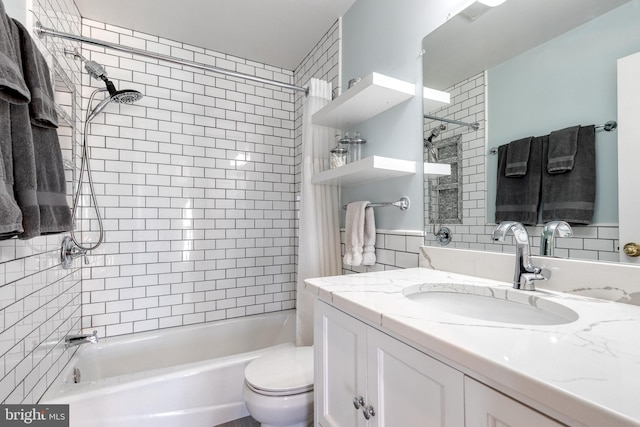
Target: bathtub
187	376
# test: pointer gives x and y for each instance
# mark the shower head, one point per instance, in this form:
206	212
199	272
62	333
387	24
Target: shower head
126	96
97	71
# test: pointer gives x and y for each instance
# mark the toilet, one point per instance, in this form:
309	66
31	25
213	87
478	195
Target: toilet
278	388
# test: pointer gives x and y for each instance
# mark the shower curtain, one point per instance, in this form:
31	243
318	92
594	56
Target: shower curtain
319	221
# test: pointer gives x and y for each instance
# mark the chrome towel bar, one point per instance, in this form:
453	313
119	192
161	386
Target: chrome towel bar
403	204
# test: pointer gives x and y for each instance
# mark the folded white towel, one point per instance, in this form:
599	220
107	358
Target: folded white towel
369	253
354	238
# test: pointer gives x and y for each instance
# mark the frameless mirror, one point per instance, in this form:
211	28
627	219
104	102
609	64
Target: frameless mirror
527	67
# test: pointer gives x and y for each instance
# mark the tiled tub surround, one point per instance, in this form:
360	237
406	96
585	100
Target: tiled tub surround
39	301
593	242
582	373
196	182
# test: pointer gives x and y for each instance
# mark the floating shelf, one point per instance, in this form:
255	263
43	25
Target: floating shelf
433	99
434	170
370	169
369	97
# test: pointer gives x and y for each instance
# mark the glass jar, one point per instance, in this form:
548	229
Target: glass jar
345	143
338	157
355	147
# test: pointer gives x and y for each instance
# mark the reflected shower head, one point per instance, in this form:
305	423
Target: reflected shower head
435	132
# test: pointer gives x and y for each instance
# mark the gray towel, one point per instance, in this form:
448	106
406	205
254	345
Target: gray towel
517	157
54	213
12	86
517	198
562	149
10	214
37	77
22	155
571	196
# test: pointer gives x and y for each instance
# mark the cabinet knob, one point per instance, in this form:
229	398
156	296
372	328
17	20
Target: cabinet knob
368	412
632	249
358	402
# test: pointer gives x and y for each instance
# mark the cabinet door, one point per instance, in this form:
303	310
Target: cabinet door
409	388
340	376
486	407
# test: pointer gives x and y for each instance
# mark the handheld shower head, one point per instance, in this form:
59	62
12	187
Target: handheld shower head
126	96
97	71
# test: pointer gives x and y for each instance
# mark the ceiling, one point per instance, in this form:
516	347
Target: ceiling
275	32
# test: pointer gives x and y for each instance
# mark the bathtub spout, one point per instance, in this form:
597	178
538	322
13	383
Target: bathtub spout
73	340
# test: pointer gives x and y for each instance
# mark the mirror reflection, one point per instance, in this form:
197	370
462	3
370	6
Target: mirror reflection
527	67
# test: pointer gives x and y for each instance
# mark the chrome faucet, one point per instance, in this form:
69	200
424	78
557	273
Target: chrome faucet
525	272
73	340
547	242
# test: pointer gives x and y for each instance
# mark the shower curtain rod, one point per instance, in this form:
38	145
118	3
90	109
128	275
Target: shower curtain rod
42	31
474	125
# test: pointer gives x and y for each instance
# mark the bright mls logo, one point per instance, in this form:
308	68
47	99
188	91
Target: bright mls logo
34	415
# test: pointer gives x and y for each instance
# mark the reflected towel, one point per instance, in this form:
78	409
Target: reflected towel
517	198
563	145
571	196
354	236
518	157
13	89
51	198
369	249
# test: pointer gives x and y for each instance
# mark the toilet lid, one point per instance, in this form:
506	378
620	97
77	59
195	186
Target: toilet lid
287	371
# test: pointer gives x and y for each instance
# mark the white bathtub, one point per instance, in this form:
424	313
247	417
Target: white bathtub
188	376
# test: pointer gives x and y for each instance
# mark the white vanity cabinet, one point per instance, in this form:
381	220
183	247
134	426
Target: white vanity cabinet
392	383
396	385
485	407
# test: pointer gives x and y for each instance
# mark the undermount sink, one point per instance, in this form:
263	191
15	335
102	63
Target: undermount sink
490	303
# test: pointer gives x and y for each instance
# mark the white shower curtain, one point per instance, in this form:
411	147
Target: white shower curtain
319	224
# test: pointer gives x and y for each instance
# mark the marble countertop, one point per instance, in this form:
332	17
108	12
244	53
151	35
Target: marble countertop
583	373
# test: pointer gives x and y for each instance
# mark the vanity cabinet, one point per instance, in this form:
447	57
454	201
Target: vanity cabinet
366	378
485	407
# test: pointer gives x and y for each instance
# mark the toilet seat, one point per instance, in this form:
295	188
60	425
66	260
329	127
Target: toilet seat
281	373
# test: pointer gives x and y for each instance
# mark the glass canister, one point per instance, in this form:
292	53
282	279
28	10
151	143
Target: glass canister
345	143
338	157
355	147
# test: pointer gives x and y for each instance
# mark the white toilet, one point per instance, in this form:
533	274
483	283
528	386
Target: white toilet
278	388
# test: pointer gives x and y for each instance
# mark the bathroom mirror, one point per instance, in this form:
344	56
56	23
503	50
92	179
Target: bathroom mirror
522	69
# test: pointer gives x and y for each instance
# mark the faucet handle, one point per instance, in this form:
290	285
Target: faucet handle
527	279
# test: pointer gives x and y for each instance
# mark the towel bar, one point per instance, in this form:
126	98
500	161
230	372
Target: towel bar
611	125
403	204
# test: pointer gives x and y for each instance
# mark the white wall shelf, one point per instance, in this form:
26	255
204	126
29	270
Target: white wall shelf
369	97
370	169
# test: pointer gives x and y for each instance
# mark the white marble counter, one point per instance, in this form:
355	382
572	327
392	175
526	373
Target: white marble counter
583	373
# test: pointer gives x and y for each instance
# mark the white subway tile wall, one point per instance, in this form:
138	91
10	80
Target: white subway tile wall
394	249
40	301
598	242
196	182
